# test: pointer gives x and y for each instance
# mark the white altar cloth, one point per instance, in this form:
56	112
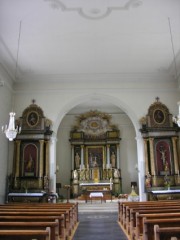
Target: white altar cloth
96	194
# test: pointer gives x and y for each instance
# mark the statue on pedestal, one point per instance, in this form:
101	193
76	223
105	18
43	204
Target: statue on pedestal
113	160
77	160
75	175
117	173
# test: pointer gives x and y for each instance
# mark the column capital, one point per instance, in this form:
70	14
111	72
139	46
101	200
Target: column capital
151	139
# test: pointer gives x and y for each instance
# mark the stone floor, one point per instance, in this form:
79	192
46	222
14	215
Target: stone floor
98	221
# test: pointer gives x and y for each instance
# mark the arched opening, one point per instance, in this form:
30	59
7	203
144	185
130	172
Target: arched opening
129	149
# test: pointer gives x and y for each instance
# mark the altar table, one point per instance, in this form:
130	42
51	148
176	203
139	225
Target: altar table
155	193
41	196
96	195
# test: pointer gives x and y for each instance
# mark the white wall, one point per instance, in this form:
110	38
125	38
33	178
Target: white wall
133	97
5	145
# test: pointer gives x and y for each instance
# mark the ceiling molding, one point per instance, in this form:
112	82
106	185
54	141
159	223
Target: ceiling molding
94	13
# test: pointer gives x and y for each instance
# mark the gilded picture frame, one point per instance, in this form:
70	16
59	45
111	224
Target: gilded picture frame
95	156
30	163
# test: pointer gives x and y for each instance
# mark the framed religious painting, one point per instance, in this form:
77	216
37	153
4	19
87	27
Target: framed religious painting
95	156
164	157
30	159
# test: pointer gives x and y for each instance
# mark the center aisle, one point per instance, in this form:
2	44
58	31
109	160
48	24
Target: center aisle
98	222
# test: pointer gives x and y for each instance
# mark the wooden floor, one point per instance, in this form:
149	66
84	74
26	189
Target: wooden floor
98	221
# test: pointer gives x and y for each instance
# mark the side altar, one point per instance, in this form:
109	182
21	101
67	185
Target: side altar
95	148
161	152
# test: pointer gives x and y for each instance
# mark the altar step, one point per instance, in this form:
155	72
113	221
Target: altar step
97	206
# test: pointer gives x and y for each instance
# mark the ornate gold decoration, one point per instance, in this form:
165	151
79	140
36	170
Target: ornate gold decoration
94	123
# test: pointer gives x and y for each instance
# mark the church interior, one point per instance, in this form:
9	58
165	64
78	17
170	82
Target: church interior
89	100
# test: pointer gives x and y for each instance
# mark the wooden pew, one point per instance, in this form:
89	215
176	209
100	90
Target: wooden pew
15	225
25	234
130	221
167	225
124	207
136	216
139	227
127	211
69	209
140	206
72	207
14	218
168	233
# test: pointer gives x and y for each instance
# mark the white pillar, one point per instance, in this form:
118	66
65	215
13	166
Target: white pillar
141	167
82	156
52	164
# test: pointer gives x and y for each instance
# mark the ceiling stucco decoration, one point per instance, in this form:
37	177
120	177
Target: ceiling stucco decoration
94	123
93	9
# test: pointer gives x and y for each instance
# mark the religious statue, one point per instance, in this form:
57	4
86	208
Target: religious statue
77	160
95	164
163	155
104	173
113	160
87	174
116	173
82	175
166	167
148	180
46	183
110	173
75	174
30	164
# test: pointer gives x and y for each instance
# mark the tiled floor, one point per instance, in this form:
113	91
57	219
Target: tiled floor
99	226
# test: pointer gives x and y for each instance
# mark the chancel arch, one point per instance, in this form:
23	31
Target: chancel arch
128	153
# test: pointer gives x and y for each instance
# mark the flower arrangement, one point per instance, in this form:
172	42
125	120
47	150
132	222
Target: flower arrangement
123	196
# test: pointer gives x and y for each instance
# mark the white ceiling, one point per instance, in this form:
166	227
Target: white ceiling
69	39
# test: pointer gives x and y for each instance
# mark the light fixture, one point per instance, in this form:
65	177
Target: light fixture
176	119
10	130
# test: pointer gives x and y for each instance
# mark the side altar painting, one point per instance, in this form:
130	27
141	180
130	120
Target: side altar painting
161	148
95	148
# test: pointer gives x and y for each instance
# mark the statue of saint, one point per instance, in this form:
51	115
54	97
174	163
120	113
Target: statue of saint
148	180
163	155
116	173
82	175
30	164
75	174
113	160
77	160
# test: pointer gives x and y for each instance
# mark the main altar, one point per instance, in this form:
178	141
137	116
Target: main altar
95	147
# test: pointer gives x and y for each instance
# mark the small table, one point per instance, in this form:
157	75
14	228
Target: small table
104	192
96	195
